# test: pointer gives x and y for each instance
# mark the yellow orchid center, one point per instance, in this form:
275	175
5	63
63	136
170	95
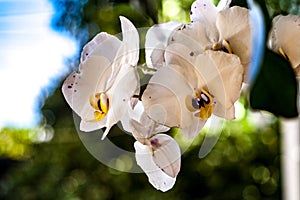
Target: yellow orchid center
100	103
224	45
204	102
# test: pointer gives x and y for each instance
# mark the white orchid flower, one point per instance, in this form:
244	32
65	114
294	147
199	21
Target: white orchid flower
157	154
284	39
107	79
190	88
160	159
159	36
213	28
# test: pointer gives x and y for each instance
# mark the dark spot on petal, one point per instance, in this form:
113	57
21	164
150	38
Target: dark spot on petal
192	54
124	100
69	86
74	76
155	143
75	90
191	13
204	5
149	97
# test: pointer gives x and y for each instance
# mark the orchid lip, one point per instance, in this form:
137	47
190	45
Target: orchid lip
100	103
224	45
204	103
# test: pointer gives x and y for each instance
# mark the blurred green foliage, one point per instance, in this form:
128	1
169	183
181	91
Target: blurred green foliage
244	164
282	92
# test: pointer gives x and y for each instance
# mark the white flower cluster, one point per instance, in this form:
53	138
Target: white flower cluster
199	70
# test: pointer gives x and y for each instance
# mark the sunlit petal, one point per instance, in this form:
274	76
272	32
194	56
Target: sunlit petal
205	12
285	35
120	95
182	59
132	114
128	53
234	26
223	4
195	36
131	41
77	88
159	179
98	47
164	98
166	154
141	126
157	39
192	131
88	126
156	57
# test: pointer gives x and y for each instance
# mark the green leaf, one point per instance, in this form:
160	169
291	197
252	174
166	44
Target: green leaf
275	88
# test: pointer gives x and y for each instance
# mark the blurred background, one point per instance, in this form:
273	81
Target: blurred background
41	154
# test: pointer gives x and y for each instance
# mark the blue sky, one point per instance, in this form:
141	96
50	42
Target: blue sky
31	55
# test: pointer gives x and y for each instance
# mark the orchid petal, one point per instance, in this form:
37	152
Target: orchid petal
98	47
234	26
135	114
193	130
157	57
195	36
157	38
128	53
142	127
141	131
181	58
156	100
77	88
131	40
205	12
119	95
159	179
166	154
223	4
164	99
88	126
285	35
